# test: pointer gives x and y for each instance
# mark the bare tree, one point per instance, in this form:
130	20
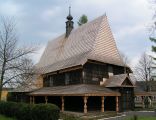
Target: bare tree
125	61
14	61
142	69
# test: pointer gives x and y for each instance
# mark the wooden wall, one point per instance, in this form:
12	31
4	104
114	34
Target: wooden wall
91	73
118	70
66	78
126	99
94	73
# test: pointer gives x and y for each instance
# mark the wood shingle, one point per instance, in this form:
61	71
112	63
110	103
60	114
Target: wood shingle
93	40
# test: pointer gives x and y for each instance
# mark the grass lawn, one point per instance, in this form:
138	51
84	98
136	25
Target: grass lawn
89	116
5	118
142	118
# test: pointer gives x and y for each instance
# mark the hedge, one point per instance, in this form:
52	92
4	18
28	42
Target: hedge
23	111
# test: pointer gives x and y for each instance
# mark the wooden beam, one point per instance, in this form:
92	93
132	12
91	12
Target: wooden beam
71	69
143	102
83	75
83	94
96	62
62	108
33	99
103	94
51	73
142	94
30	100
46	99
85	104
102	104
117	104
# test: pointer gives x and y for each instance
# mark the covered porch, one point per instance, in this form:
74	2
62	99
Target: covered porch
140	96
78	98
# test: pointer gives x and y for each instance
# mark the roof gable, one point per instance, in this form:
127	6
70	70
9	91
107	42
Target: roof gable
127	82
105	48
119	81
92	40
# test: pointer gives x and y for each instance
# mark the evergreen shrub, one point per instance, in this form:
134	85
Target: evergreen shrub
23	111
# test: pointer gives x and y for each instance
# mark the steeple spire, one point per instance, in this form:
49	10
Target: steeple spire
69	9
69	23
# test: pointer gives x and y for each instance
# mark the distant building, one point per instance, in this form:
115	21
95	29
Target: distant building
141	86
153	71
5	92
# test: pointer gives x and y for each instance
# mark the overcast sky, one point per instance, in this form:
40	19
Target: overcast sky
43	20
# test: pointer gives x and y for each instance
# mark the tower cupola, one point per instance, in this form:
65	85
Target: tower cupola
69	24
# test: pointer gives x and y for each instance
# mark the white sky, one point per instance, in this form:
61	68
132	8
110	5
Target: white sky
43	20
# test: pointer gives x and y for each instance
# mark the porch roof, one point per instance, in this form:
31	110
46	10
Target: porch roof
75	90
139	92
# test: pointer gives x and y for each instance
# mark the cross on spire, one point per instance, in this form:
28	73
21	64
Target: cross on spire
69	17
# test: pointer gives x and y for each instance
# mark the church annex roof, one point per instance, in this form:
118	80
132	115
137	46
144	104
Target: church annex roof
117	81
93	40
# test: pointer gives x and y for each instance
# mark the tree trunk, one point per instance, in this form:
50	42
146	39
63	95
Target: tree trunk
1	81
0	93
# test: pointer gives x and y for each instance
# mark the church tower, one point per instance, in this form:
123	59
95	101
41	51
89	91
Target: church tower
69	24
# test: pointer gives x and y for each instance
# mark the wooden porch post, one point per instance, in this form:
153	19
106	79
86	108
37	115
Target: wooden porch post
85	104
46	99
62	99
117	104
142	101
83	80
30	100
33	100
102	104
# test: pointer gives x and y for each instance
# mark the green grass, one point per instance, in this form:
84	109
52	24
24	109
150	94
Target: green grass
142	118
5	118
88	116
72	117
69	117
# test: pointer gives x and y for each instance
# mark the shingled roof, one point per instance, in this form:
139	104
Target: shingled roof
93	40
78	90
117	81
140	92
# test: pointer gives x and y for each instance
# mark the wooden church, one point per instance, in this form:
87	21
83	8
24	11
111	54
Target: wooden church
82	70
